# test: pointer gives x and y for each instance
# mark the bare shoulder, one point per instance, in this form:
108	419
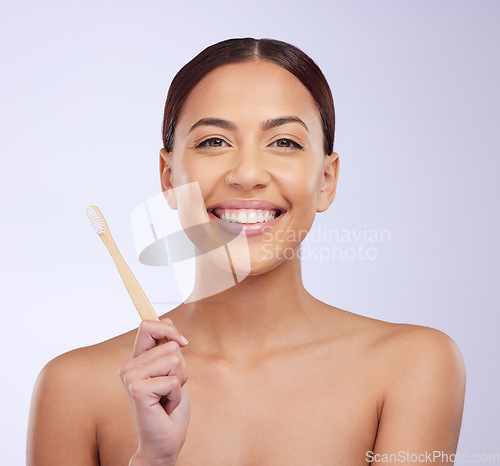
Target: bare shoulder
414	347
89	364
396	351
70	393
406	343
417	374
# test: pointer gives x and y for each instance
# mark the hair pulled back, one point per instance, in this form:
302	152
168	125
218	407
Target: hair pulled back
230	51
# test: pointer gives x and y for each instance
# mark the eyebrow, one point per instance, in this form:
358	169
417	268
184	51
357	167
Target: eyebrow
270	124
214	122
266	125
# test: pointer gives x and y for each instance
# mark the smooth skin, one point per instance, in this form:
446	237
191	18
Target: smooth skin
275	376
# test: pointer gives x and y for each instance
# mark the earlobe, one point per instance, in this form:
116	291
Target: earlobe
329	187
171	199
166	178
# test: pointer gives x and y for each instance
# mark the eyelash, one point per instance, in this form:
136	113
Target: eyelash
207	141
293	144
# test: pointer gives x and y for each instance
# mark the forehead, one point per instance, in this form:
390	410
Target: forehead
250	92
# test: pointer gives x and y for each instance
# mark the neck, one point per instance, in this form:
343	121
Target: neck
262	313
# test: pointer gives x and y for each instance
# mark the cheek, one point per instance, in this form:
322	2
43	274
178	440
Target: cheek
303	183
207	176
187	169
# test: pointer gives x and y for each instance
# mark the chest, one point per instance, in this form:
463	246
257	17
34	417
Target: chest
294	415
288	414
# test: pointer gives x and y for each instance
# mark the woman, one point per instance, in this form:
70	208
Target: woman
275	376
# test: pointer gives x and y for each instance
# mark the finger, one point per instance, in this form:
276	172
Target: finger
146	366
147	392
174	397
158	361
150	332
162	352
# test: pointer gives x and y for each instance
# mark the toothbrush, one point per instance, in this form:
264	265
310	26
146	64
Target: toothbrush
139	298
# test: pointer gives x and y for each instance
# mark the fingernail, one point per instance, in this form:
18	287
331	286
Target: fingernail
184	340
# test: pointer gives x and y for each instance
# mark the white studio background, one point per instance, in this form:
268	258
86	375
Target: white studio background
415	85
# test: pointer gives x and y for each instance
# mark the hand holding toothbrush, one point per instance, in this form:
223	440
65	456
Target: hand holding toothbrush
154	379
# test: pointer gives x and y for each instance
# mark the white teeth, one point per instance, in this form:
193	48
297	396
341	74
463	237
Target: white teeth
252	217
245	215
242	217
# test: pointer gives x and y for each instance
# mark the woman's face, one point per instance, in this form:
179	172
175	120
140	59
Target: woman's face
251	135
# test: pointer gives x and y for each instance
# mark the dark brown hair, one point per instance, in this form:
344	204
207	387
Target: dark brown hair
229	51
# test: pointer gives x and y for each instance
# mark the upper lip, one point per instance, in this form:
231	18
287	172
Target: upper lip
259	204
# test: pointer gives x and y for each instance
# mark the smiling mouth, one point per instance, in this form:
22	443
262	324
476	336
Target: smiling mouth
246	216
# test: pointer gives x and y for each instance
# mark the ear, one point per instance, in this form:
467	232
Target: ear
166	178
329	187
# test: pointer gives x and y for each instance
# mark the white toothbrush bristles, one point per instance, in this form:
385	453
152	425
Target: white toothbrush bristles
96	220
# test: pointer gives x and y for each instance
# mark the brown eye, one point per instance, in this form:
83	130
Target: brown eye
286	143
212	142
215	142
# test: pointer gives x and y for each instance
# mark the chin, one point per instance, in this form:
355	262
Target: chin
260	268
261	263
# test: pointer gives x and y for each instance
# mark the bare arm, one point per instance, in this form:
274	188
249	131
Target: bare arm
61	428
422	409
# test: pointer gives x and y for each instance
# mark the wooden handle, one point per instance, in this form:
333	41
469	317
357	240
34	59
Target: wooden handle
139	298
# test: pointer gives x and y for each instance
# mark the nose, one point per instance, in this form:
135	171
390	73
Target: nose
249	171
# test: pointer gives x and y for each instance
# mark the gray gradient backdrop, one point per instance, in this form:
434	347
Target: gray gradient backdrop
415	85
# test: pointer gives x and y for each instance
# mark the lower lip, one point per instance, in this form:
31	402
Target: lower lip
250	229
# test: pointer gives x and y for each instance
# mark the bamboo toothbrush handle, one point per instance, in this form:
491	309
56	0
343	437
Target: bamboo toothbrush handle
139	298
